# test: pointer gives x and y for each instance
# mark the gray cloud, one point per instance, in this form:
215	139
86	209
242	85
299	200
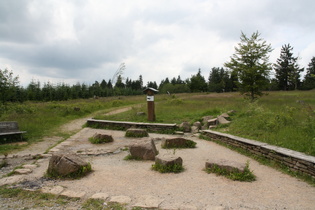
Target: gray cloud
87	40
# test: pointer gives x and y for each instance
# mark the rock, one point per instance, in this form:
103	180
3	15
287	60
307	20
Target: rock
231	112
206	118
73	194
103	138
23	171
64	165
168	160
185	126
225	115
213	121
222	120
144	150
179	133
140	113
197	124
228	165
102	196
148	202
136	133
177	143
120	199
30	166
194	129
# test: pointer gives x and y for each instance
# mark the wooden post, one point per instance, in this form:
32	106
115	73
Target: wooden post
150	102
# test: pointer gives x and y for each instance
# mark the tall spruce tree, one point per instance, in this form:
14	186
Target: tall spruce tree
309	79
287	69
250	63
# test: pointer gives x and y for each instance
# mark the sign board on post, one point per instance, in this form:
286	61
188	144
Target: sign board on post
150	101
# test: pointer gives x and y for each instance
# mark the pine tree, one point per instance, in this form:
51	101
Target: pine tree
250	63
287	69
309	80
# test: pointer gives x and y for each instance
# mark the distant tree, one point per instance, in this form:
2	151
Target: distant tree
8	86
218	80
197	83
34	91
251	64
287	69
309	79
152	84
103	84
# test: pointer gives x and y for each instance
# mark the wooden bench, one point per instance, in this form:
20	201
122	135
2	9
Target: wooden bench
10	128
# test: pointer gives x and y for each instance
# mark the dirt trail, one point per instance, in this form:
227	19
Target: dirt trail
71	127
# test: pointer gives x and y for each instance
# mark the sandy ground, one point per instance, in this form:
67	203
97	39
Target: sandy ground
191	189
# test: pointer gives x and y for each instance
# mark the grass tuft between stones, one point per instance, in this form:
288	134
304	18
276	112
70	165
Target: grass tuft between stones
175	168
130	157
245	176
99	141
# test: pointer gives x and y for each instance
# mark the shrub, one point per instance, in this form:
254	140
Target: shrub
174	168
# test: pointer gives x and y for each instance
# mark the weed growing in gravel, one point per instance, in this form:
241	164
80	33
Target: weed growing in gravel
99	141
176	168
245	176
188	144
3	164
130	157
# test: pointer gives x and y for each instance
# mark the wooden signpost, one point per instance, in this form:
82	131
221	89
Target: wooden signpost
150	101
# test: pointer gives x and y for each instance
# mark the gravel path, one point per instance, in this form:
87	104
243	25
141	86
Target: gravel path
191	189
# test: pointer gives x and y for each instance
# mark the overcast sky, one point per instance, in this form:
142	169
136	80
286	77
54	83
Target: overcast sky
86	40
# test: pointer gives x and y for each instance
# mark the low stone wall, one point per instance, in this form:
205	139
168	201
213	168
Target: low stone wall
296	161
121	125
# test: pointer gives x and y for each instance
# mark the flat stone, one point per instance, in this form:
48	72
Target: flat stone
148	201
23	171
179	133
73	194
120	199
102	196
10	180
167	160
136	133
212	121
227	165
222	120
30	166
56	190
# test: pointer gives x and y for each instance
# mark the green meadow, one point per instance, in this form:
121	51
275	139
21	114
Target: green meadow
284	118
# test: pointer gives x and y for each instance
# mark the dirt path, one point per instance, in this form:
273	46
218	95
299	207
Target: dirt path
71	127
192	189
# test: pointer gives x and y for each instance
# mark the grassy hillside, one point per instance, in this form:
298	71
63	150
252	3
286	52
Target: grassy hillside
285	119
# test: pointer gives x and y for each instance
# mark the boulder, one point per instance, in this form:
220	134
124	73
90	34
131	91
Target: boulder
185	126
227	165
140	113
206	118
197	124
103	138
177	143
63	165
168	160
144	150
136	133
222	120
194	129
225	115
213	121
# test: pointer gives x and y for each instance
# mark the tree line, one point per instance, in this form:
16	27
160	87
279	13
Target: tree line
248	71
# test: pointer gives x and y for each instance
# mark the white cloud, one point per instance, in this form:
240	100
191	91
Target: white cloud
70	41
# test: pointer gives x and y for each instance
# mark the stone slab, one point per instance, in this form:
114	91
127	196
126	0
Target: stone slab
102	196
23	171
73	194
148	201
30	166
120	199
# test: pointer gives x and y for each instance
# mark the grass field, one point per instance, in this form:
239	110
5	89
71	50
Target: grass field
285	119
